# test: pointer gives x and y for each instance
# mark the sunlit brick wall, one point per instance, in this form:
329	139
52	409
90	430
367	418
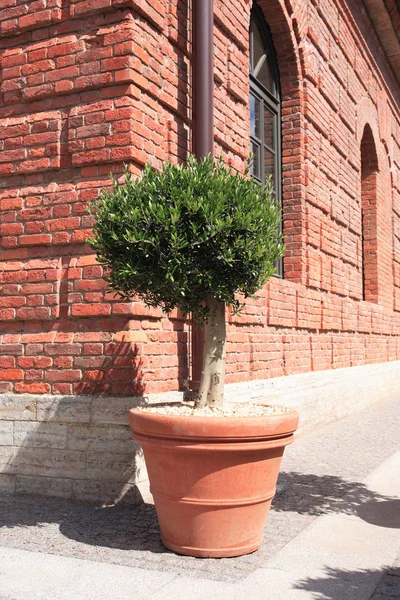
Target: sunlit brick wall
86	86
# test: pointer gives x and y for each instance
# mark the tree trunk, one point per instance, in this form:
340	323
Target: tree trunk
211	392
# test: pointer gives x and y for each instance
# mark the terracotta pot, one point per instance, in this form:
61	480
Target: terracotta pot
212	478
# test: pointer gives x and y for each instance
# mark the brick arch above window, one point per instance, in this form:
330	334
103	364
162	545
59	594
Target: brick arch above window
367	116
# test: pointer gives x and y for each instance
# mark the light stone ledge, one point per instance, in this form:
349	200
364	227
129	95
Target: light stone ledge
56	487
323	396
40	435
42	462
100	410
114	466
7	454
106	492
66	409
16	407
109	492
6	433
101	438
81	447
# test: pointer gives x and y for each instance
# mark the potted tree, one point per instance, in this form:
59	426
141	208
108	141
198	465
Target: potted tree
193	237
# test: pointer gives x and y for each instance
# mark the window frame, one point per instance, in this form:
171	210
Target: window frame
271	100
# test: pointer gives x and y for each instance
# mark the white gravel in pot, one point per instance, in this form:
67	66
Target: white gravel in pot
227	410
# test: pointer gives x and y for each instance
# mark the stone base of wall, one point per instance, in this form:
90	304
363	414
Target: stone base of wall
324	396
81	448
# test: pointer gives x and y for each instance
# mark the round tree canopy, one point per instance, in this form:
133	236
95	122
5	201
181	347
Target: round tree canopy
192	230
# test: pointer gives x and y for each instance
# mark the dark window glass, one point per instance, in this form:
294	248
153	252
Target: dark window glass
265	107
261	68
255	107
269	128
256	164
269	164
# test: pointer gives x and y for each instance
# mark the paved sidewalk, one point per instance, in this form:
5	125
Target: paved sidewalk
333	533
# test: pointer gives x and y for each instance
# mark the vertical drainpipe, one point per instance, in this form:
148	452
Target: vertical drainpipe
202	124
203	78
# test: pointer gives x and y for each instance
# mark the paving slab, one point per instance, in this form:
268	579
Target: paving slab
332	534
28	575
389	586
338	556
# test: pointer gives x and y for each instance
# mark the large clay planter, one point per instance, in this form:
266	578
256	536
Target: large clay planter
212	478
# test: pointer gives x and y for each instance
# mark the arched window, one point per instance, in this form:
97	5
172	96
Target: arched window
369	177
265	107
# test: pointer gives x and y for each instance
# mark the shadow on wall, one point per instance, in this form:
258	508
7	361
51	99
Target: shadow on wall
75	447
81	447
117	372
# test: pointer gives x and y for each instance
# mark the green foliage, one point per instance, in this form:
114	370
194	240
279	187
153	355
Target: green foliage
175	236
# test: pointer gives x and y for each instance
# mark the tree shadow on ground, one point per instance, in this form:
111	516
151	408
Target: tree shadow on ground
136	528
118	527
383	514
308	494
343	584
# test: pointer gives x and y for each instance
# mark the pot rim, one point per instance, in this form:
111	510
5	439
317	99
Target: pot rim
191	427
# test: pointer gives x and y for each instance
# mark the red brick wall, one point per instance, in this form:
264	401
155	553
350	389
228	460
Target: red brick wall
87	85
